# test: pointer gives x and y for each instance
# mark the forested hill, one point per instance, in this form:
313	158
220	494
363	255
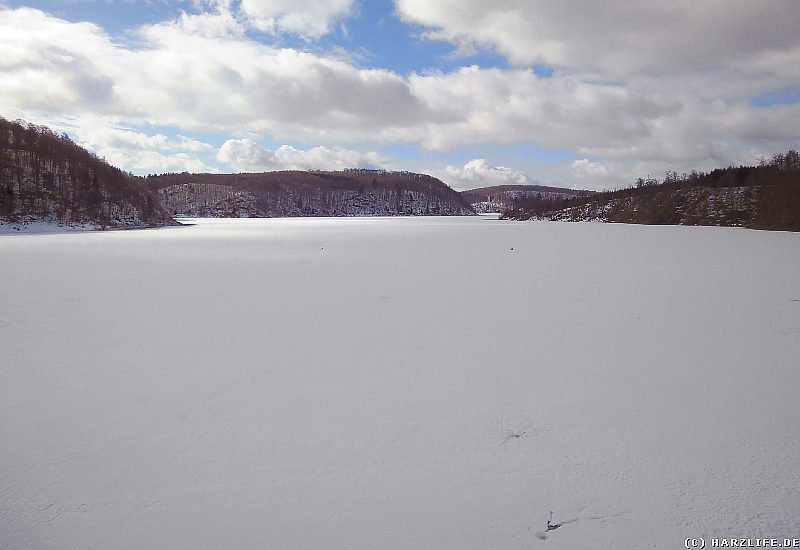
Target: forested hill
355	192
499	198
47	177
766	196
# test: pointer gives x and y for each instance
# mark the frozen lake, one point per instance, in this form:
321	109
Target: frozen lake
398	383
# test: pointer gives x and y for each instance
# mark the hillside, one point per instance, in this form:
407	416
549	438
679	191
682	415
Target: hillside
499	198
759	197
314	193
45	177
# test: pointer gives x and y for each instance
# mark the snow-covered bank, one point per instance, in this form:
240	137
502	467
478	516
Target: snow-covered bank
398	383
38	226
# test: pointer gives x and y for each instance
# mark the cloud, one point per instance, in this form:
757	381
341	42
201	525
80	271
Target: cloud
587	167
245	155
221	22
140	152
603	174
309	19
481	173
48	62
182	77
510	106
205	72
618	37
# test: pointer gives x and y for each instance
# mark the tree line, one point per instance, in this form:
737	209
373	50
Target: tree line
765	196
45	175
316	193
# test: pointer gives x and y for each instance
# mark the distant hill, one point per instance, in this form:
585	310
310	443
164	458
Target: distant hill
313	193
47	177
759	197
499	198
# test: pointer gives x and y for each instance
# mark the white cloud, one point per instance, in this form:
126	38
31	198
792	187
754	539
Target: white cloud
140	152
203	72
589	174
187	79
617	37
510	106
245	155
481	173
307	18
219	23
48	64
587	167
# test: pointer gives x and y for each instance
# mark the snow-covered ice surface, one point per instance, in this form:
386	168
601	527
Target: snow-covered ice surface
398	383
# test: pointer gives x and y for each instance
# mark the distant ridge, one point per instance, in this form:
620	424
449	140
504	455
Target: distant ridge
498	198
354	192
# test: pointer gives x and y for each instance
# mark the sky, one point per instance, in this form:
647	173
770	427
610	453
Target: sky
579	93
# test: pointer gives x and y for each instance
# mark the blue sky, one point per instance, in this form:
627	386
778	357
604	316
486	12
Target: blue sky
576	93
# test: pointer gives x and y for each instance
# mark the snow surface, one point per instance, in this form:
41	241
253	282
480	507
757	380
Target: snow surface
398	383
